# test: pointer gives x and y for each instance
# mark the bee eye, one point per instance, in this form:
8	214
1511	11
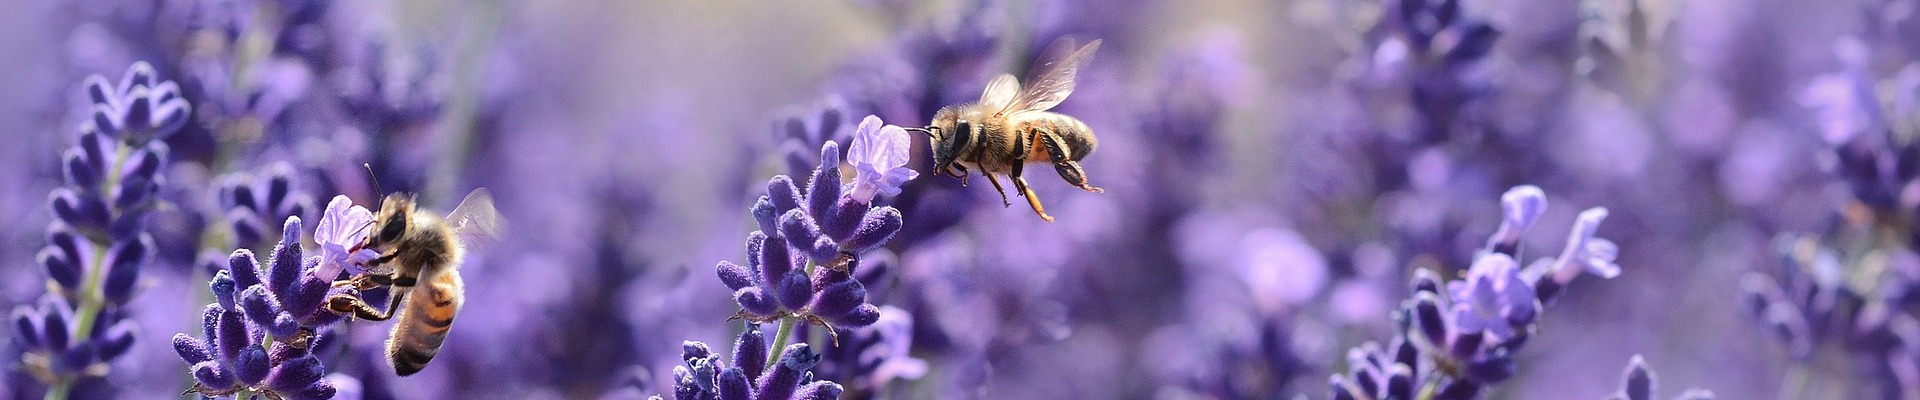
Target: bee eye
391	231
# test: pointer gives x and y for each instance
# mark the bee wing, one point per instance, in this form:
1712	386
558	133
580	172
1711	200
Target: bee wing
475	221
1000	93
1050	82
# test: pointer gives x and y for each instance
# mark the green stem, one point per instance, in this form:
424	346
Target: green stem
780	339
59	390
785	334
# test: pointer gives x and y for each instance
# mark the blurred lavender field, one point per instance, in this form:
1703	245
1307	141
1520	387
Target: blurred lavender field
1321	199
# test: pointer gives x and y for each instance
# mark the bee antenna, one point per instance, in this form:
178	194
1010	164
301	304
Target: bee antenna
376	180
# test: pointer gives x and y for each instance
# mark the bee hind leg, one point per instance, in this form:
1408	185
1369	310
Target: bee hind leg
348	304
1020	184
1068	169
997	188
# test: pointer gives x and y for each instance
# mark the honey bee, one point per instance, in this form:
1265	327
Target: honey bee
420	256
1010	126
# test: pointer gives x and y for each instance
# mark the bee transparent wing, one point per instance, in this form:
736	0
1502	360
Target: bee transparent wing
475	221
1000	93
1050	82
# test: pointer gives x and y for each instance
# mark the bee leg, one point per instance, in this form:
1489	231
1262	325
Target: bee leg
998	188
961	172
1020	184
345	304
1068	169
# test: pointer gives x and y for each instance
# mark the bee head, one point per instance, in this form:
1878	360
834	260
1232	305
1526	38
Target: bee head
949	134
391	223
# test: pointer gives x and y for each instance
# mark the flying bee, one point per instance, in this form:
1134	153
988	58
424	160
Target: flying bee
420	256
1010	126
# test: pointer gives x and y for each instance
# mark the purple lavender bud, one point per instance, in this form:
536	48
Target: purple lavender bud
285	269
734	275
194	351
794	291
764	214
305	298
1403	352
223	289
79	171
863	315
1427	317
245	269
130	223
684	387
845	218
824	189
754	301
1492	366
838	299
146	163
819	390
794	362
783	194
1366	377
694	350
1465	344
252	365
775	262
1425	281
133	191
878	226
750	351
26	326
318	390
1340	389
1458	390
117	338
76	359
95	147
53	328
242	196
106	121
210	324
266	312
733	385
247	226
802	233
1399	382
755	241
79	209
62	270
123	268
279	186
295	374
1638	381
209	374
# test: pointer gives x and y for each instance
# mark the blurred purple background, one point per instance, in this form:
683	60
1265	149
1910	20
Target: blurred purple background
1274	173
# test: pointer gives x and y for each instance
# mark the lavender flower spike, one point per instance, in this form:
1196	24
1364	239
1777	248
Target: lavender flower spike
879	156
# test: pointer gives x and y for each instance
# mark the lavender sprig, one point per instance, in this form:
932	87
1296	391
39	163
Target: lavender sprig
1638	383
260	331
1458	337
830	225
706	376
98	242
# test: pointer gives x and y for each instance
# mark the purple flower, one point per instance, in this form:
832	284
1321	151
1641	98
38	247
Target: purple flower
251	203
260	331
1493	298
1520	206
879	158
1638	383
744	376
342	227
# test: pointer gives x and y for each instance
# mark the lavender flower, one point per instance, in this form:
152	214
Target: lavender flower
342	227
260	332
745	376
1473	329
879	158
1638	383
870	357
98	243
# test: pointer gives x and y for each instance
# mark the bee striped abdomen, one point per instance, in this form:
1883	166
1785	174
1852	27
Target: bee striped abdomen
424	322
1076	135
